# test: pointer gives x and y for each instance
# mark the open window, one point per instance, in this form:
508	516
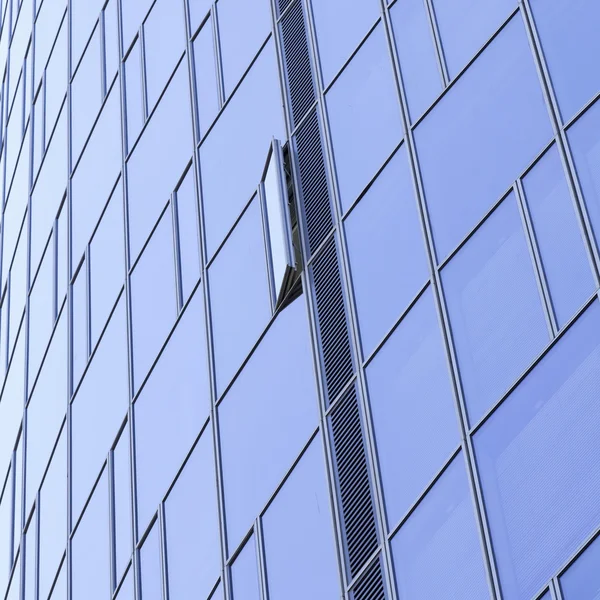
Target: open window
281	227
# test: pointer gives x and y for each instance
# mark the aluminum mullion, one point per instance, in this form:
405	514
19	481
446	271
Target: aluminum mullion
555	590
437	40
443	320
362	395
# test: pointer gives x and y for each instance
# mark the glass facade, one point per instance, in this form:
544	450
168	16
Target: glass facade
299	299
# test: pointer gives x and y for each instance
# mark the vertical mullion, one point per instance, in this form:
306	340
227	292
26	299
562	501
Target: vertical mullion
102	33
261	558
217	54
437	39
177	248
555	590
466	443
536	258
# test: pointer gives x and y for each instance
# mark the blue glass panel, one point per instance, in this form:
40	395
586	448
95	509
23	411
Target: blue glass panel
111	40
57	76
244	573
466	25
164	43
539	462
29	547
59	591
239	319
91	548
122	503
364	116
495	308
241	137
483	133
585	144
79	301
5	531
582	580
50	15
198	11
126	591
416	51
410	393
153	298
568	33
171	409
159	159
99	408
387	250
437	552
243	27
336	40
261	434
192	525
558	235
135	100
298	534
83	16
150	566
132	15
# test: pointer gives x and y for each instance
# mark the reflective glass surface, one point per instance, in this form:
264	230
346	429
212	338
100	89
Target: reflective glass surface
582	579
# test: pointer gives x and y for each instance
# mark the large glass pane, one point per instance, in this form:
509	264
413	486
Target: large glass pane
266	418
122	530
49	17
298	534
387	250
192	525
244	573
170	410
240	140
411	393
568	32
558	235
364	116
437	552
340	28
539	459
150	565
582	580
495	309
83	16
135	100
416	51
485	131
240	312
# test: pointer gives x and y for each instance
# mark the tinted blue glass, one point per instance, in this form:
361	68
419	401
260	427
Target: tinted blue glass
126	591
192	526
153	298
567	30
150	565
239	318
387	251
585	144
135	101
50	15
29	547
410	393
266	418
336	43
57	76
539	462
364	116
170	410
437	552
298	534
111	40
244	573
558	235
481	136
495	308
241	137
465	26
198	11
5	529
546	596
243	27
132	15
416	51
582	580
122	503
83	16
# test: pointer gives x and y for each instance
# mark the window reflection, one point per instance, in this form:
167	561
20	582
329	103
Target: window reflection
582	579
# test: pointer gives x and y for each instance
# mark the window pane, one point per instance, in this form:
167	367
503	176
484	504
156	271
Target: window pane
584	138
364	115
558	235
192	525
244	573
79	299
466	25
239	313
83	16
539	460
261	434
153	298
437	552
387	251
568	32
122	499
337	41
198	11
411	393
134	94
170	410
496	110
150	565
582	580
495	309
416	51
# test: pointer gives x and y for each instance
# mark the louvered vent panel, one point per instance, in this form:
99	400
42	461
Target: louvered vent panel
331	318
370	586
313	182
358	514
297	61
282	5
